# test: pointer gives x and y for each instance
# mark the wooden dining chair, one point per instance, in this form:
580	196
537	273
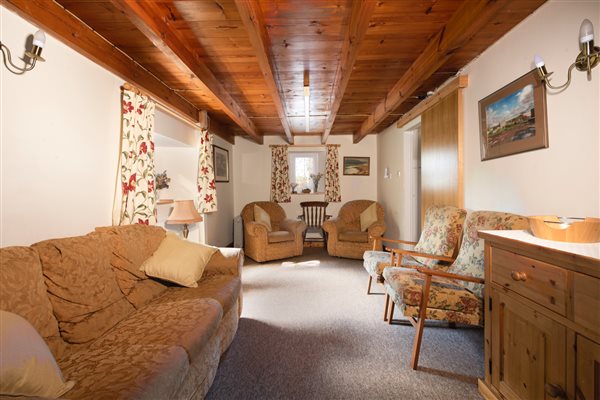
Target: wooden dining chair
314	213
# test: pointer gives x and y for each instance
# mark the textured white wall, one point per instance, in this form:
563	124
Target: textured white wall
252	167
565	178
60	137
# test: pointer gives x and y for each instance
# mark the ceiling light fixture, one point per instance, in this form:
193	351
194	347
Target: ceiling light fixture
306	102
588	58
31	57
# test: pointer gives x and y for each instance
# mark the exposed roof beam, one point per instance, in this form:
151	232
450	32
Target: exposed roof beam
469	19
154	21
213	126
360	14
63	25
253	20
459	82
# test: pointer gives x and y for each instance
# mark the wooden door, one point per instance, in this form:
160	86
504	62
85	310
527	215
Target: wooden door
529	350
587	370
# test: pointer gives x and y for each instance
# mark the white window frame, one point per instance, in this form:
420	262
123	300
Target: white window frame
319	156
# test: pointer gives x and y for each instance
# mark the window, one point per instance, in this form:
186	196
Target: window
302	165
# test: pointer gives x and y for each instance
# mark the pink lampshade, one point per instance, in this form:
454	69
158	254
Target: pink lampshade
184	212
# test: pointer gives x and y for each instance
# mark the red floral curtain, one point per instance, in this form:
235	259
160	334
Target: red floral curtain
281	192
135	200
207	191
332	175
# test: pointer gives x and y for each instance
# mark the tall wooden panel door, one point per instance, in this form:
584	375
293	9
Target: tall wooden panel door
588	370
442	154
530	359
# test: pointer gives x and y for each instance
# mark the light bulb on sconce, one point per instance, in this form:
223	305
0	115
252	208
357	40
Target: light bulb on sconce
35	54
586	60
386	173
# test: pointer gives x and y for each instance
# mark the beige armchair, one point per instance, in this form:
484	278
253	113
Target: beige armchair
283	241
344	237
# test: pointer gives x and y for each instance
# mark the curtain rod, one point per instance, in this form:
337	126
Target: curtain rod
305	145
136	90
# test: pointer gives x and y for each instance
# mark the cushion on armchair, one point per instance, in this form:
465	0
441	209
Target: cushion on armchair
280	236
368	217
262	217
355	237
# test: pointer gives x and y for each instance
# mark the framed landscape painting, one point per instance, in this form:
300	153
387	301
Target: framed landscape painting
356	166
513	119
221	162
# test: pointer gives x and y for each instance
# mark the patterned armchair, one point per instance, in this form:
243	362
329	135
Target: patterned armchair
453	295
440	237
344	237
284	240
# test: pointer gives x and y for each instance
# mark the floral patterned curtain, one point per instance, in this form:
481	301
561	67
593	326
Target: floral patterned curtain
207	191
332	175
281	192
135	195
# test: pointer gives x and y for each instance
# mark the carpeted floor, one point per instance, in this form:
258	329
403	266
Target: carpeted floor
309	331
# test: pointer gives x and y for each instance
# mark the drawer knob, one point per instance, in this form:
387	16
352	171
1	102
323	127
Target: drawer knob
518	276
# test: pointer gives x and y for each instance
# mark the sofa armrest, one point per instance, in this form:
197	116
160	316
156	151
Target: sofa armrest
331	225
256	229
294	226
226	261
376	230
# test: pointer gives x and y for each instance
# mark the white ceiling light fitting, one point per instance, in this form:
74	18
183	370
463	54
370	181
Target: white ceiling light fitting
306	103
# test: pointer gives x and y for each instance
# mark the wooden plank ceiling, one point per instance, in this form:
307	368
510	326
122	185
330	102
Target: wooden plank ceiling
245	61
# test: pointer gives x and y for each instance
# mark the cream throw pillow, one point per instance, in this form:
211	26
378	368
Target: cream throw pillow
368	217
261	216
27	367
179	261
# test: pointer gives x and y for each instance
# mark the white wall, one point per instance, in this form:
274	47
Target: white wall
394	192
59	137
252	167
565	178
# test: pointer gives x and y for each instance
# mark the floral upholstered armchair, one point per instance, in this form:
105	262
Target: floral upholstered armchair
345	238
280	238
440	237
455	294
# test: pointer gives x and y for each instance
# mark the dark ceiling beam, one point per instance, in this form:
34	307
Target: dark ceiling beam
360	15
469	19
253	20
54	19
154	20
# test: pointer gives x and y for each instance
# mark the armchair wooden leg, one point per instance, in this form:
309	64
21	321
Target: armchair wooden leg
420	323
369	285
391	317
387	304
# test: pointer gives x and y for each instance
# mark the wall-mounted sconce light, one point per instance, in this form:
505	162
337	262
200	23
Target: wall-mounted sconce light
34	55
587	59
386	173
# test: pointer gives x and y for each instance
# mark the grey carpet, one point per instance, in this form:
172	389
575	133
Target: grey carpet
309	331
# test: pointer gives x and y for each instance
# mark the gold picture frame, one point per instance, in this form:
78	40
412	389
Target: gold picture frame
513	119
358	166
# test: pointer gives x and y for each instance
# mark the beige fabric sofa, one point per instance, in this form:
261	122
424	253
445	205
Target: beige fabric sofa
113	330
285	239
344	237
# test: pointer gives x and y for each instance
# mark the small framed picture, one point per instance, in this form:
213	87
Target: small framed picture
221	162
513	119
357	166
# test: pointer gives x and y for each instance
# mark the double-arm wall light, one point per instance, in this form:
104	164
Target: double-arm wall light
588	58
31	56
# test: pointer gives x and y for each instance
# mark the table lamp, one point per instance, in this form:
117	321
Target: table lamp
184	213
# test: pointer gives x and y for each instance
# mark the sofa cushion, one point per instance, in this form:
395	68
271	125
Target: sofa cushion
126	371
441	233
280	236
228	261
368	217
186	323
223	288
353	236
470	257
131	245
262	217
82	286
27	367
179	261
23	292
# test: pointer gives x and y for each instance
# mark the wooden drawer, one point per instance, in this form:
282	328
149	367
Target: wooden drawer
538	281
586	301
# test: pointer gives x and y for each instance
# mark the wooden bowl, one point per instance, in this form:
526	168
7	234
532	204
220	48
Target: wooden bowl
552	228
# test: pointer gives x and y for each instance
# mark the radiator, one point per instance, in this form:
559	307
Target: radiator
238	232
